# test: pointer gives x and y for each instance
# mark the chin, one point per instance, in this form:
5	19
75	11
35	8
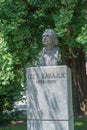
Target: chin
45	43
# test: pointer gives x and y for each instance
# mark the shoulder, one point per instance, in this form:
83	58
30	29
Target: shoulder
56	49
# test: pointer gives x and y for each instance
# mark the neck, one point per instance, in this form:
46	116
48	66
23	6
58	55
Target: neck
48	47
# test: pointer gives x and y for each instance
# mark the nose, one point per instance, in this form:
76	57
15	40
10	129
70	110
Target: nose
44	38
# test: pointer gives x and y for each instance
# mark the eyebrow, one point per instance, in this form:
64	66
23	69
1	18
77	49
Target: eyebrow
45	35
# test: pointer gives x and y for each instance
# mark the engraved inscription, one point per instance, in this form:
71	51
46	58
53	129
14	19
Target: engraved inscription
46	75
49	78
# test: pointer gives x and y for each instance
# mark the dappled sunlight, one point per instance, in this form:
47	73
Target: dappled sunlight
81	124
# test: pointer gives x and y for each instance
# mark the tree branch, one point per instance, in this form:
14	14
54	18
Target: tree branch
31	7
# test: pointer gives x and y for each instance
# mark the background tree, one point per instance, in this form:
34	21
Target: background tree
70	24
22	25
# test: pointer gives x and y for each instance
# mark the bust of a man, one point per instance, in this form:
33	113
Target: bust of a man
50	52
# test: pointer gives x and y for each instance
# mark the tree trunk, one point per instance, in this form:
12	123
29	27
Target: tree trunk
79	81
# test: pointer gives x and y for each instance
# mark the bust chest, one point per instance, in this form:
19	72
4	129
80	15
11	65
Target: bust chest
49	57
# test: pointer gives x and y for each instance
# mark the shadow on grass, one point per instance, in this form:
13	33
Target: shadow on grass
15	127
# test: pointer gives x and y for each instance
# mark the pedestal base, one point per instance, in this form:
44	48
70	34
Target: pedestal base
50	125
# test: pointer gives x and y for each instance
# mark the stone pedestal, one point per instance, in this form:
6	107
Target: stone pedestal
49	98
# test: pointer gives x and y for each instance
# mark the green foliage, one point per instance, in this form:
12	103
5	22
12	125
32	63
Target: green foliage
70	25
64	17
22	23
82	37
5	63
11	116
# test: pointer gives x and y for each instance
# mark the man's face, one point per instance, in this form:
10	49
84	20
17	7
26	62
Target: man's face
46	39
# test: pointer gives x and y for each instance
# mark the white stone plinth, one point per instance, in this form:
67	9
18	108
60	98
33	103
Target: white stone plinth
49	98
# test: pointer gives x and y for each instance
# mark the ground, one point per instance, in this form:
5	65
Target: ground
80	124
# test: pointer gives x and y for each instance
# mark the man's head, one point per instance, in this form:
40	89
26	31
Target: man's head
49	37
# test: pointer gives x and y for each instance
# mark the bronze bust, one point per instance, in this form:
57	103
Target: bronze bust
50	52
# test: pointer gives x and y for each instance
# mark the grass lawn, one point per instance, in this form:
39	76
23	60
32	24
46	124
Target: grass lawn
15	127
80	124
